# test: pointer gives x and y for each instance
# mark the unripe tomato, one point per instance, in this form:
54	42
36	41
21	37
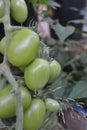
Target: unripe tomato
37	74
52	105
1	8
23	47
34	116
19	10
2	45
55	70
8	102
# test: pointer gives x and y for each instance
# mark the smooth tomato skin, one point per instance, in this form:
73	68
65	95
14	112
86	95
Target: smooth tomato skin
19	10
1	8
55	68
36	75
52	105
2	43
23	47
35	115
8	102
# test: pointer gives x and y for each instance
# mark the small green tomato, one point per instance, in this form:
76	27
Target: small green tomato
52	105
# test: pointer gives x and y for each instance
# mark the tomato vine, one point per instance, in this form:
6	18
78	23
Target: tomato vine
5	69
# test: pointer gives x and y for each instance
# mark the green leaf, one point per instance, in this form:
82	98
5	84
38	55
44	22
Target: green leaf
63	32
80	31
50	3
48	20
79	90
43	1
59	85
53	4
79	21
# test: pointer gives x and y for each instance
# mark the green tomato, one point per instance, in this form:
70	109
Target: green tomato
2	45
1	8
35	115
37	74
55	70
8	102
19	10
52	105
23	47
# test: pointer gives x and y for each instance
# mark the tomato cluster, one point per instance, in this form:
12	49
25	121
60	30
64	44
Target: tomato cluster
22	52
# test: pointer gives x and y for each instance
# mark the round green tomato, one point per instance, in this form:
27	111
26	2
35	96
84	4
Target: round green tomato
19	10
1	8
8	101
52	105
23	47
2	45
35	115
37	74
55	70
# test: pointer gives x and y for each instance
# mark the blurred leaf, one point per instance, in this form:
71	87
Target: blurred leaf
48	19
63	32
80	31
51	41
59	85
50	3
79	90
53	4
79	21
51	122
43	1
84	59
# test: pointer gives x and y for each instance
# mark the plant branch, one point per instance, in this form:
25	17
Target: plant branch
5	69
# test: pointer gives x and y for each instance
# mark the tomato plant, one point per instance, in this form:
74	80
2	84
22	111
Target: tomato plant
19	10
55	70
21	52
8	104
37	74
52	105
1	8
23	47
35	114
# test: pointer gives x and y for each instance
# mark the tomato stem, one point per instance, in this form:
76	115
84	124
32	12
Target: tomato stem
5	69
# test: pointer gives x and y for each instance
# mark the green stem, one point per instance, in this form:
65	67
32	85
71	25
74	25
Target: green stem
7	27
5	69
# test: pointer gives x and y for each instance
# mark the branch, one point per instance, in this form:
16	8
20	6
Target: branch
5	69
